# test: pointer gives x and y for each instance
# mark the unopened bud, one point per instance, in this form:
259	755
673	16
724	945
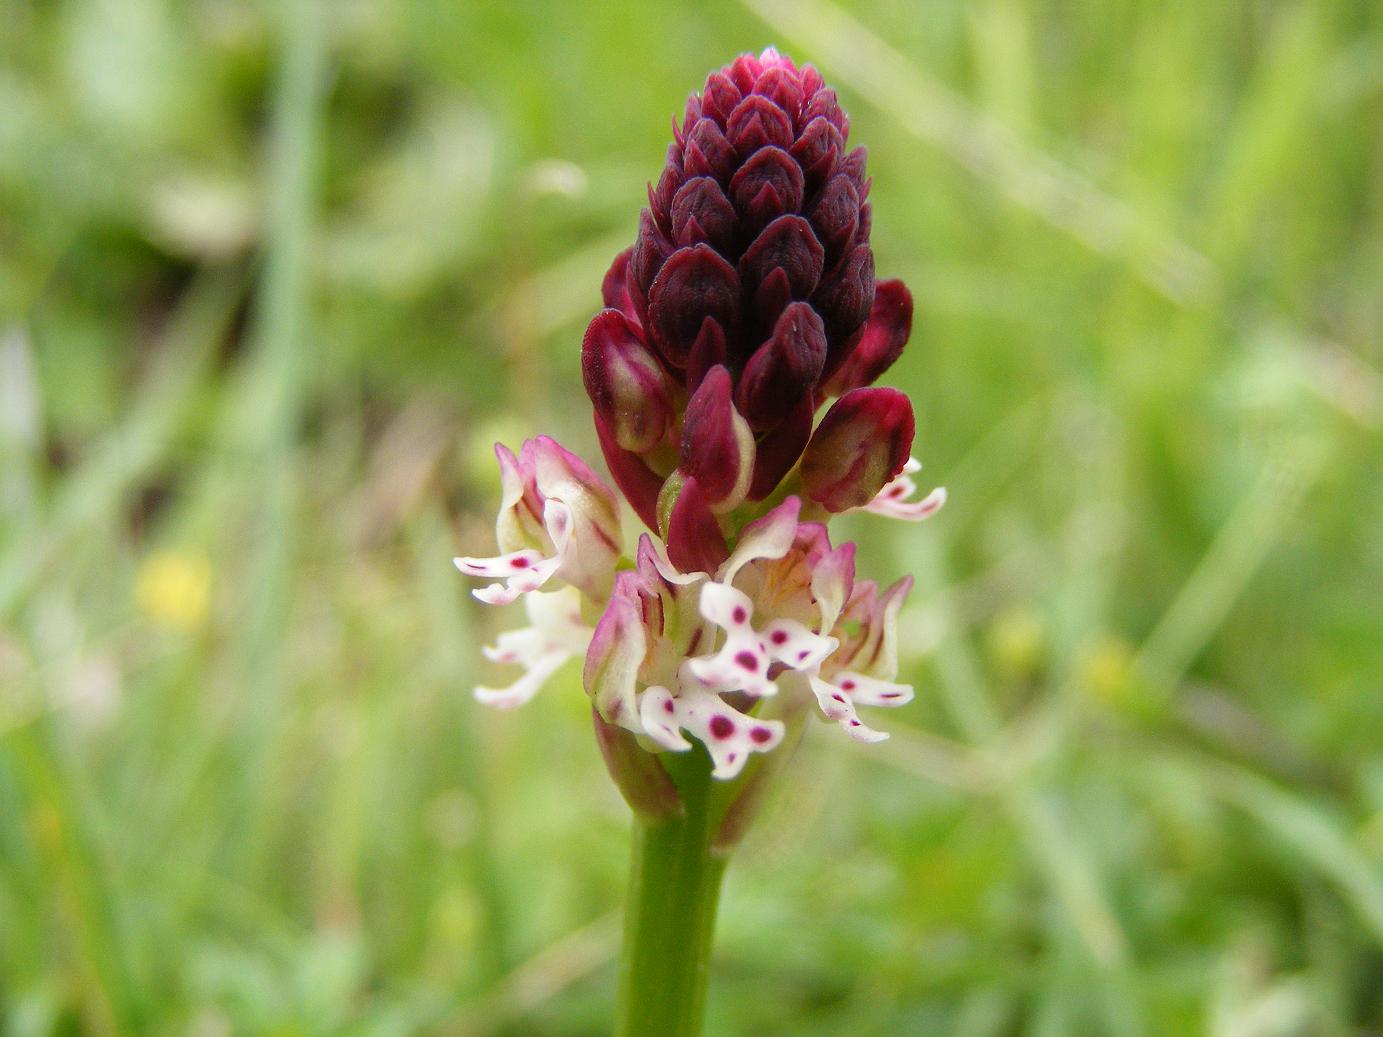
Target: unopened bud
860	445
880	341
625	382
717	445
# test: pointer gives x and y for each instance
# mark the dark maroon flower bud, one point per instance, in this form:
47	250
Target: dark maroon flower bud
707	152
880	341
845	297
694	540
784	369
779	449
825	105
767	186
760	209
701	214
789	244
859	447
695	283
818	151
758	123
783	88
717	445
625	382
836	214
719	98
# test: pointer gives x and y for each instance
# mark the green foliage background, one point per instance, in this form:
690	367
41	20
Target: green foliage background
272	279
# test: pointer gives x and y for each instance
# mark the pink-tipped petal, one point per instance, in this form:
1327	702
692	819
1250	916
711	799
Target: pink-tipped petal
768	537
895	499
616	651
835	703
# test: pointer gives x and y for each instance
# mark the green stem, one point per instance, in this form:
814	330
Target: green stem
674	885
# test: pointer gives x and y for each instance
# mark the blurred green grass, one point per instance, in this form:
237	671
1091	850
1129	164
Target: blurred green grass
273	277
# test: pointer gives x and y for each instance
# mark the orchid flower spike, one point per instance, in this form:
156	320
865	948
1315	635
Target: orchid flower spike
747	304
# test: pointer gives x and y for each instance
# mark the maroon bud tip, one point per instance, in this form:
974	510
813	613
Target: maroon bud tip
717	446
879	343
860	446
694	283
779	450
784	369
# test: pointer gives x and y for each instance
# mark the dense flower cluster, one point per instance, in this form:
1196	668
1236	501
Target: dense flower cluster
748	301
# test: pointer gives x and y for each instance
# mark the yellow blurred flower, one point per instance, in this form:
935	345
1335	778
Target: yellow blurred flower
1107	668
1016	643
173	588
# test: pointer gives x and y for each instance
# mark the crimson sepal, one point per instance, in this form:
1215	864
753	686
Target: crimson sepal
860	445
769	184
694	540
639	483
789	244
717	445
758	123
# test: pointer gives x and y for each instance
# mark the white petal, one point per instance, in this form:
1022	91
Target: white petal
893	501
525	687
871	691
658	712
836	704
795	645
729	735
522	572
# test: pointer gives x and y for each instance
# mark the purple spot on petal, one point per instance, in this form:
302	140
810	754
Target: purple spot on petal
668	707
803	654
888	694
739	615
520	562
839	698
761	735
854	723
748	660
732	758
848	685
897	491
722	726
780	637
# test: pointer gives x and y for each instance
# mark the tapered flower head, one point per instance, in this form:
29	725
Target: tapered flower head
746	305
752	259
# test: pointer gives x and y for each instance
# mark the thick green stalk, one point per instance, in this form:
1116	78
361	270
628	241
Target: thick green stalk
674	886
